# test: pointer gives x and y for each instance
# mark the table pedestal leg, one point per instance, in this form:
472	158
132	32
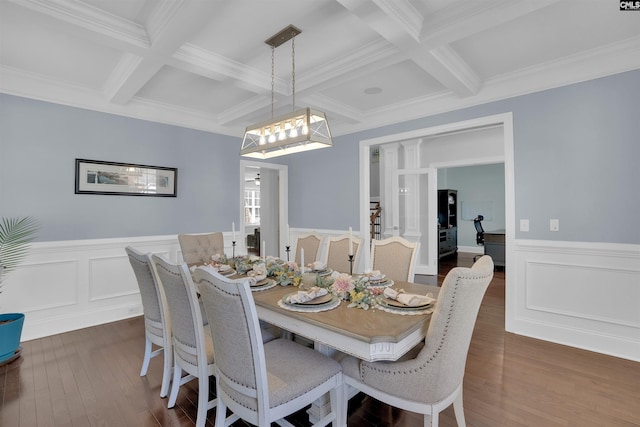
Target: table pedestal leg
322	406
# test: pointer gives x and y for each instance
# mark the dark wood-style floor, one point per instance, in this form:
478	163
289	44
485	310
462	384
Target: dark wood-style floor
90	377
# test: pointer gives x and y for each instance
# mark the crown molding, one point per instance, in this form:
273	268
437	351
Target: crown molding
601	62
35	86
91	18
608	60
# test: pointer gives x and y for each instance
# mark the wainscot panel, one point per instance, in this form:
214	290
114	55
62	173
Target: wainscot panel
584	295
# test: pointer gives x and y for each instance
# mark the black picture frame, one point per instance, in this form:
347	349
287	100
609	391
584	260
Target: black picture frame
125	179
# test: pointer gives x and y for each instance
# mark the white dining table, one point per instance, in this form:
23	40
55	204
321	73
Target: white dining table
367	334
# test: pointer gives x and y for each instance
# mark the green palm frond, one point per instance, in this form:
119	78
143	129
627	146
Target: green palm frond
16	234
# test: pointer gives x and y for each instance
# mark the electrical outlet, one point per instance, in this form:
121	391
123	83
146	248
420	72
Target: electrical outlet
524	225
554	224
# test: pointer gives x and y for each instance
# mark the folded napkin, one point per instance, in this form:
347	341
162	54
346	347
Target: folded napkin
410	300
304	296
317	266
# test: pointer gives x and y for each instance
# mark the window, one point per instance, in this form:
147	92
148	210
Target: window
252	207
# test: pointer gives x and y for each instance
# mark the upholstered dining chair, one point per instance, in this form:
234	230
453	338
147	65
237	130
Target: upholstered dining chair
395	257
311	243
192	345
157	325
261	383
429	378
199	248
337	253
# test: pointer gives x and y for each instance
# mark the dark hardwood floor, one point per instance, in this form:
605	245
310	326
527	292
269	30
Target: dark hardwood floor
90	377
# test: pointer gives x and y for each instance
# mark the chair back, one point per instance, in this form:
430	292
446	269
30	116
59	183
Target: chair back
477	222
153	304
311	243
395	257
186	317
237	338
451	327
337	257
199	248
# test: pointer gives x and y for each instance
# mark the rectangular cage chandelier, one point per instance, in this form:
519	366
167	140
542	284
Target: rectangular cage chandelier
301	130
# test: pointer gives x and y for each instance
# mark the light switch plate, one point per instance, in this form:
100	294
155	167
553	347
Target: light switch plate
524	225
554	224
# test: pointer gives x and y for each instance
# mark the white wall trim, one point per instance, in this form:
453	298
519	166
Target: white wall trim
580	294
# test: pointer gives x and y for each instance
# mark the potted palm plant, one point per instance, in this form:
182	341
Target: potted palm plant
16	234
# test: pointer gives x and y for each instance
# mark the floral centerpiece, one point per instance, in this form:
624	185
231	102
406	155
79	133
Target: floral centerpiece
284	273
355	290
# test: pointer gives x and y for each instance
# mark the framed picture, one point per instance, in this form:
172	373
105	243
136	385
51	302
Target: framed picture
125	179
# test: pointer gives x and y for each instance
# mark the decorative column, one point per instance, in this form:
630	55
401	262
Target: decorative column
388	187
410	194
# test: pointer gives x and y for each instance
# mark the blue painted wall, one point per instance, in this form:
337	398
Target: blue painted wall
39	143
482	187
577	158
577	150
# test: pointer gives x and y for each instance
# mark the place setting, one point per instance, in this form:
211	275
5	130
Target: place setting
314	299
400	302
318	268
258	280
378	280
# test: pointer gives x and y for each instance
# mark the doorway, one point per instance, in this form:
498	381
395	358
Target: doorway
450	156
264	207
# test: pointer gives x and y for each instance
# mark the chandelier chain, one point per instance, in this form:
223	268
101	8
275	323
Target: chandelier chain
273	85
293	70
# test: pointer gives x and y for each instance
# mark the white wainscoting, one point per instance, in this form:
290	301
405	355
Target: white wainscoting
585	295
68	285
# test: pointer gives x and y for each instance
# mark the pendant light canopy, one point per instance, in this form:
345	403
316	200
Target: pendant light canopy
301	130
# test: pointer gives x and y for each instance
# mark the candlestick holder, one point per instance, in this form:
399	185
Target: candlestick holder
233	249
287	250
351	265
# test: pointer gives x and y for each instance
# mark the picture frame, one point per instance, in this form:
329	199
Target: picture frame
125	179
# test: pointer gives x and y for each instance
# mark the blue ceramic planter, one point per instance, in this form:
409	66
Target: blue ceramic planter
10	333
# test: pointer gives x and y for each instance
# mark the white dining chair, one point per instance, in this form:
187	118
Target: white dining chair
157	324
336	254
429	378
312	245
261	383
395	257
192	344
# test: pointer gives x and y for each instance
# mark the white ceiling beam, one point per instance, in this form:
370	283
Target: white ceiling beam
372	56
209	64
454	24
172	26
389	19
92	22
332	108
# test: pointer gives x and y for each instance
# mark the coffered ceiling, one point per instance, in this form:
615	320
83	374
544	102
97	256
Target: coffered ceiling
203	64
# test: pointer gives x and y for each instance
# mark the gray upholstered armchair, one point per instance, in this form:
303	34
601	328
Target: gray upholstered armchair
429	378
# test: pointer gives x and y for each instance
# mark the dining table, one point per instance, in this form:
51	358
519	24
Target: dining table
370	335
374	334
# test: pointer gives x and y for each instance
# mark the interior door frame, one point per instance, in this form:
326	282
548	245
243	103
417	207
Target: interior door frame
506	121
283	202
